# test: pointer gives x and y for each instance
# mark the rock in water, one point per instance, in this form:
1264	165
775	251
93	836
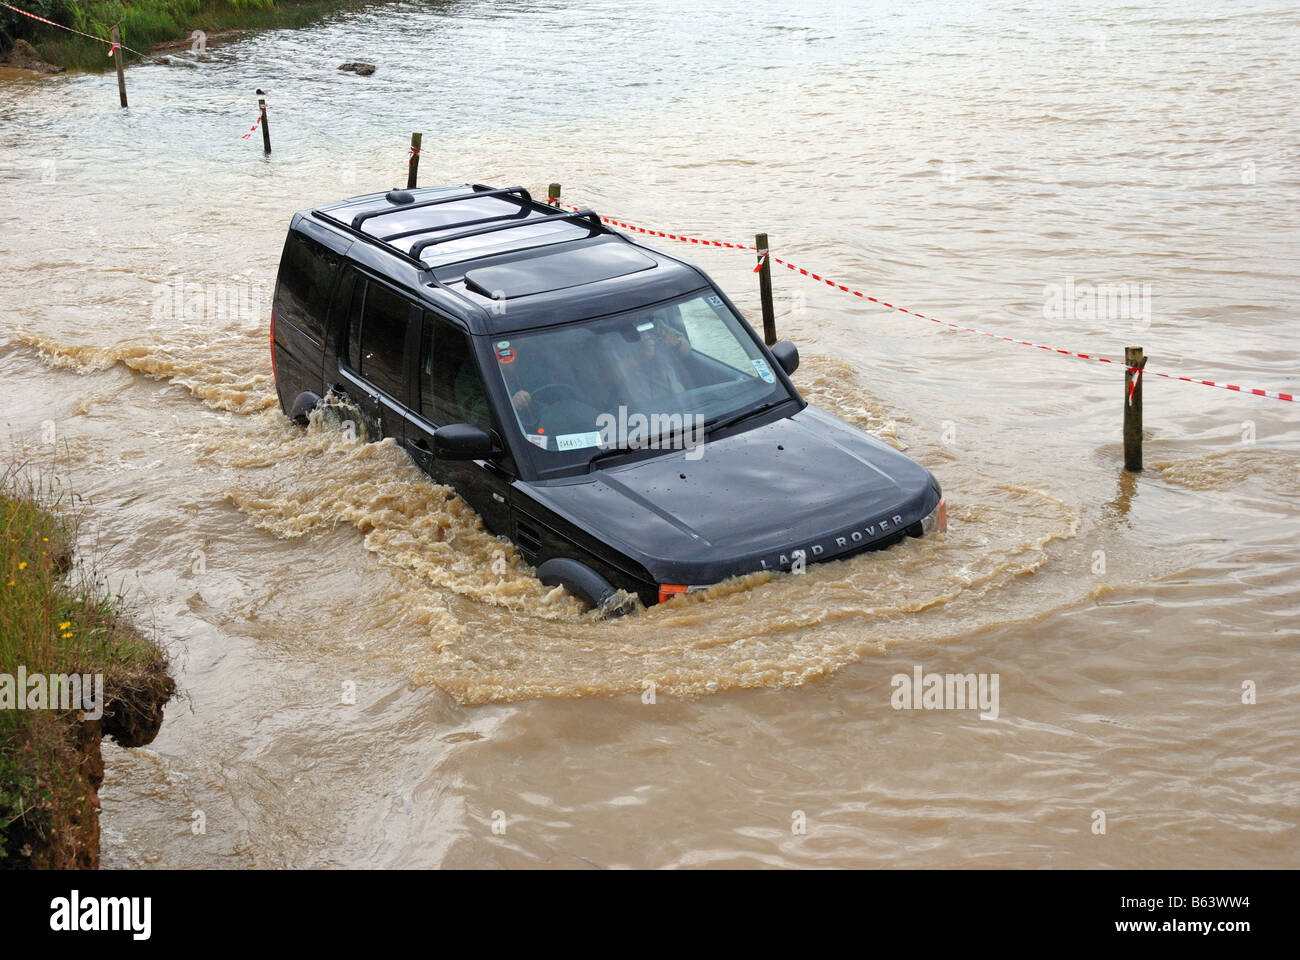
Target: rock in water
24	57
358	67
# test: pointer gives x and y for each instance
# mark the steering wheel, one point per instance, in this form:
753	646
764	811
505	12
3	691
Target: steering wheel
548	387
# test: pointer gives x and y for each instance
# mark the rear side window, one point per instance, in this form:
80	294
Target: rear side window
376	347
307	272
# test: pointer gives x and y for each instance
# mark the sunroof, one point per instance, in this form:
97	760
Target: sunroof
402	223
557	271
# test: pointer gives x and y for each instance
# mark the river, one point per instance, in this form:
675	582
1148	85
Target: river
966	160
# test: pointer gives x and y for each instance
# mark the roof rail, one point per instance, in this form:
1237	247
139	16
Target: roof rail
477	190
369	238
421	245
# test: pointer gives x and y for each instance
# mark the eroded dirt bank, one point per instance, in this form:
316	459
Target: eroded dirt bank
73	670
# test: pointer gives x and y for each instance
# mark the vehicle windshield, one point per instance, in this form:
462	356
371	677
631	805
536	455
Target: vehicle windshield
653	377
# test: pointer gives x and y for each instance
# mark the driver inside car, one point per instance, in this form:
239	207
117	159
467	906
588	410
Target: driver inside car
514	372
473	402
542	390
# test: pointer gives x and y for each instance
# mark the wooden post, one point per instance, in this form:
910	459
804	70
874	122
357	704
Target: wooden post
765	289
266	130
117	59
413	168
1134	361
553	194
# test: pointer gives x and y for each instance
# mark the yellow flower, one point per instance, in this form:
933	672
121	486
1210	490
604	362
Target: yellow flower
68	635
65	624
22	565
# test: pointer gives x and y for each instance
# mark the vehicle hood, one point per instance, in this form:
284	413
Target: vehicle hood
746	501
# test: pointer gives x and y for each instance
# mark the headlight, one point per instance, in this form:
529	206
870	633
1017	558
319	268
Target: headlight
937	521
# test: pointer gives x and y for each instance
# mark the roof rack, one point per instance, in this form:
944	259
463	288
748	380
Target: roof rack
527	205
421	245
477	190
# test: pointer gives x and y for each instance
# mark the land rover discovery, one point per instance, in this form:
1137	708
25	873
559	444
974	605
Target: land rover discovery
601	404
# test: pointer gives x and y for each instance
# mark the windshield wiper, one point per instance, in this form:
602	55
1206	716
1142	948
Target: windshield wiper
715	425
619	451
656	443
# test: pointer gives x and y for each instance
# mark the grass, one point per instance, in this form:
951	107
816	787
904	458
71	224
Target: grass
58	616
144	23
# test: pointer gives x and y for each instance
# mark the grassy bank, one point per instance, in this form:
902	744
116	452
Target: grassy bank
57	617
146	23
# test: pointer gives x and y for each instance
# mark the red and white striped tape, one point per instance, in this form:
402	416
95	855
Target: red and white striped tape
1275	395
89	36
1133	384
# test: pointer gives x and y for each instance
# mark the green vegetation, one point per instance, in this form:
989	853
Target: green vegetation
144	23
58	617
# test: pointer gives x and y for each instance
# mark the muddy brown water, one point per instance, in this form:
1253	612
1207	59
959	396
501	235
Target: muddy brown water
961	160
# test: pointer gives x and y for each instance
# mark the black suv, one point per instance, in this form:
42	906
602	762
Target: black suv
601	404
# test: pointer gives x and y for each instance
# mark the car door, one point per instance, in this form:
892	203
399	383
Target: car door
373	371
447	387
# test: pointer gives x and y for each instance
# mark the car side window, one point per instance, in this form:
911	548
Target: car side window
306	279
376	346
451	388
352	347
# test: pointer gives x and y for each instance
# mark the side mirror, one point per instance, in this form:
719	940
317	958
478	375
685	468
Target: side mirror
787	354
463	441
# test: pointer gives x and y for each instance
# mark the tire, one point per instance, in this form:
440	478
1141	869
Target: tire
303	406
581	581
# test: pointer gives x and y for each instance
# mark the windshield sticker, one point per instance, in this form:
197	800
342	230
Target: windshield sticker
764	370
577	441
715	300
536	440
505	353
